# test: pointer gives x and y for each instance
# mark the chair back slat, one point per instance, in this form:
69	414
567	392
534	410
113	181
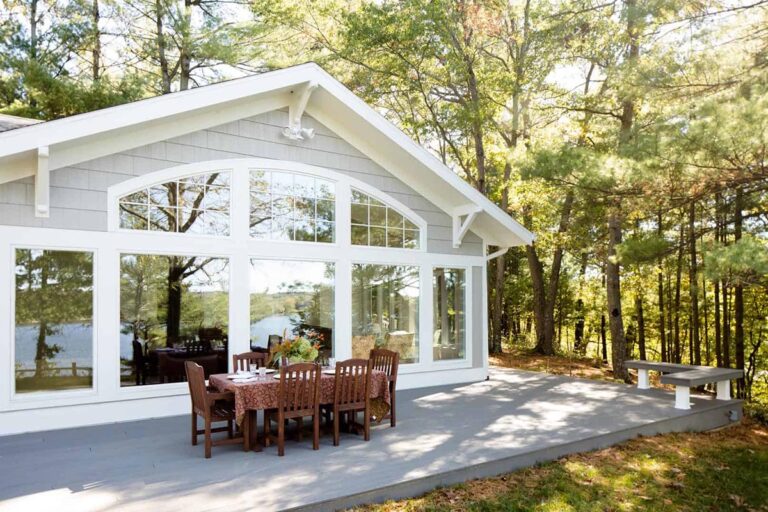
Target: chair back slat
197	391
353	382
299	391
386	361
245	360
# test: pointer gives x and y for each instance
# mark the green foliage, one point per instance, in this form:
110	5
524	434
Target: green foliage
744	262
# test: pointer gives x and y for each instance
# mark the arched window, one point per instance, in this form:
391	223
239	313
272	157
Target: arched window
292	206
377	224
197	204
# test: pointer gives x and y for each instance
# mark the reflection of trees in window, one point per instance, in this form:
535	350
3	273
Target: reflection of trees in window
449	313
165	300
54	299
292	206
196	205
385	307
377	224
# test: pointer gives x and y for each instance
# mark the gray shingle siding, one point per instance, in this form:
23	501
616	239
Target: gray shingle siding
79	193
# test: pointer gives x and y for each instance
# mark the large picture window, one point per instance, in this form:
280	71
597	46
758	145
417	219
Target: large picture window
196	204
449	320
172	309
292	206
291	298
53	320
377	224
385	310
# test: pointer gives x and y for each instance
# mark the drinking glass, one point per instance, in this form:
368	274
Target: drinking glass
254	369
263	372
332	362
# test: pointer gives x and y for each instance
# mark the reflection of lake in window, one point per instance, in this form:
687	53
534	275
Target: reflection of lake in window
172	309
292	298
53	347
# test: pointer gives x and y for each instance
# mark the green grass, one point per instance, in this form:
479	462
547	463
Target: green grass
716	471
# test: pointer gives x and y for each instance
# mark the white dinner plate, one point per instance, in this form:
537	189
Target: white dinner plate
329	371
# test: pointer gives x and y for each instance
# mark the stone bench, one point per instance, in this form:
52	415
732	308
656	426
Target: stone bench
684	377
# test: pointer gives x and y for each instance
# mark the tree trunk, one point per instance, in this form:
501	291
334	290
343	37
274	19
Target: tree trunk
165	74
42	333
662	327
738	302
96	50
677	355
539	308
693	286
603	339
173	318
640	326
613	294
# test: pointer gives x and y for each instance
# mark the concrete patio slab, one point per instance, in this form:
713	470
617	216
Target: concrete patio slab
444	435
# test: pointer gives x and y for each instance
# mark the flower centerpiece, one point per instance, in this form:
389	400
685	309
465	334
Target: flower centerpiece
300	349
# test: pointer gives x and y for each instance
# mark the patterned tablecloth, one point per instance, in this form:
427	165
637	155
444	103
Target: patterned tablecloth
262	393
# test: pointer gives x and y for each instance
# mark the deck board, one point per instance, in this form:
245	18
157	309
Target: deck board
444	435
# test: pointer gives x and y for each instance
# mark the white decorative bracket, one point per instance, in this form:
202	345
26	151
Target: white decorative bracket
42	182
463	217
294	131
501	252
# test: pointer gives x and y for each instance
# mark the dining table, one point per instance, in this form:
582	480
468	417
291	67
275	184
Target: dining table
260	393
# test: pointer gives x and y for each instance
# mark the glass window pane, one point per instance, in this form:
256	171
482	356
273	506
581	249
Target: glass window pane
394	219
53	320
325	231
359	197
259	181
394	238
261	213
172	309
282	183
292	298
325	210
359	235
410	239
305	230
411	225
325	189
191	195
378	216
449	321
359	214
304	186
385	310
163	195
219	179
378	237
140	197
133	216
216	198
304	208
162	218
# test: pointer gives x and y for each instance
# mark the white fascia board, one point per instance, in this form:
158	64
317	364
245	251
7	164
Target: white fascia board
424	157
143	111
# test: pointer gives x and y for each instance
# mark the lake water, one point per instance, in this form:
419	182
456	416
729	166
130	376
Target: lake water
76	341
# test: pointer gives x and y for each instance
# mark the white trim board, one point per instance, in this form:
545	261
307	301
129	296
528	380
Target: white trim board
87	136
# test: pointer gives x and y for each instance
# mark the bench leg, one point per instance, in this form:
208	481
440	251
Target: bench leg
724	390
642	379
682	397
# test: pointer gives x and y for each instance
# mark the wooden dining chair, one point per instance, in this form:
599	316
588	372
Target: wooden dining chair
352	394
245	360
214	407
388	362
298	397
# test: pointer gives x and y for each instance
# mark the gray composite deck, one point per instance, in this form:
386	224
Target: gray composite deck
444	435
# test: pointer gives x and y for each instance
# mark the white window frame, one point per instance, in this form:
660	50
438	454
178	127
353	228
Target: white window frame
66	395
239	247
